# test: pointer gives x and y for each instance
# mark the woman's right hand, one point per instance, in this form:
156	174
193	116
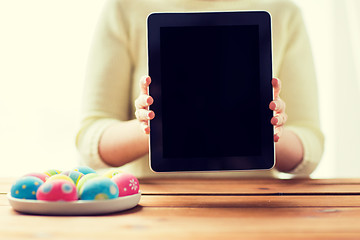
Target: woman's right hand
142	103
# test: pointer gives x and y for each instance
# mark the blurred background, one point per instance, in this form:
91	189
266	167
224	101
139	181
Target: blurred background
43	51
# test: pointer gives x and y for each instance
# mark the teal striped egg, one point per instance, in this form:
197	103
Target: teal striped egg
74	175
84	169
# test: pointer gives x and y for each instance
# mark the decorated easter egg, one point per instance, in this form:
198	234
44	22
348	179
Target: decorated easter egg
41	176
84	179
26	187
99	188
57	190
84	170
74	175
112	172
61	177
127	184
51	172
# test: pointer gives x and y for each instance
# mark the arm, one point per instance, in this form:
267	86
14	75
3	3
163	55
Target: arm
106	130
124	142
301	145
289	151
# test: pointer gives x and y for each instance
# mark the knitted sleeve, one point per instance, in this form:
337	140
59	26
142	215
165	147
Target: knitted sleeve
299	91
107	82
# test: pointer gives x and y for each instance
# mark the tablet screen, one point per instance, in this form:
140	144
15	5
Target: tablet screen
211	83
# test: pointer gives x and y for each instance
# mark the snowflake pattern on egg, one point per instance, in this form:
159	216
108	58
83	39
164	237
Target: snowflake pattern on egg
133	184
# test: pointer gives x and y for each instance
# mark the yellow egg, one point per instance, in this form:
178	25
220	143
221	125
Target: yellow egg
112	172
58	176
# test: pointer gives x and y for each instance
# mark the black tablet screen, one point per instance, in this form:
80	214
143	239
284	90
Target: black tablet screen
210	91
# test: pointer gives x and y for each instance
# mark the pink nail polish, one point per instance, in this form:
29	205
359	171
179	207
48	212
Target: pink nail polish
149	115
149	101
275	106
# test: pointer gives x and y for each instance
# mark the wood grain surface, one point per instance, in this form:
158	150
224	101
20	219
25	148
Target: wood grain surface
251	186
208	209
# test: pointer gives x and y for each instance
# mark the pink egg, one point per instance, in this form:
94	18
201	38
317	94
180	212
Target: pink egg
41	176
127	184
57	190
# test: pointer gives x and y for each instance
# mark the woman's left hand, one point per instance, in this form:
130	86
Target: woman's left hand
278	106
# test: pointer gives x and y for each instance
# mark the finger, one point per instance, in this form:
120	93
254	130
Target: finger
276	138
144	115
279	119
144	84
277	133
145	127
276	83
277	105
143	101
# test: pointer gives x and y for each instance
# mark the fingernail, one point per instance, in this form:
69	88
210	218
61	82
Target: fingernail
273	105
275	121
147	130
149	101
151	115
276	81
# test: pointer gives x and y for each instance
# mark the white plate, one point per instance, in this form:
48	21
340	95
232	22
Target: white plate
80	207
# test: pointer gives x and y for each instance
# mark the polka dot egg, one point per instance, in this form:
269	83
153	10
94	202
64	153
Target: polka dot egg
26	187
127	184
57	190
99	189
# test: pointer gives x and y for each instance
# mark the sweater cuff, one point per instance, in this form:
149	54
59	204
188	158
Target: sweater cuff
88	143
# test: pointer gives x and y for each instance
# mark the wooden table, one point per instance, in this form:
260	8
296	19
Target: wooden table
208	209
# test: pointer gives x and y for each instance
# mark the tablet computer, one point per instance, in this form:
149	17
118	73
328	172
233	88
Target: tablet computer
211	83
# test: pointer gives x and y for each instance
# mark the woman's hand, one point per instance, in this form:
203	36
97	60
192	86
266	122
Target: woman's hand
278	106
142	103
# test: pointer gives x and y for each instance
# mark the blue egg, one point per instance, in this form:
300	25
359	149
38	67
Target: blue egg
26	187
99	188
84	170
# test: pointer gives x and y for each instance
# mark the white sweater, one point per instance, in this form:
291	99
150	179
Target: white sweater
118	59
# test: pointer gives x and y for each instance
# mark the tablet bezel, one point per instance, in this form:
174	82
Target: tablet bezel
261	18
